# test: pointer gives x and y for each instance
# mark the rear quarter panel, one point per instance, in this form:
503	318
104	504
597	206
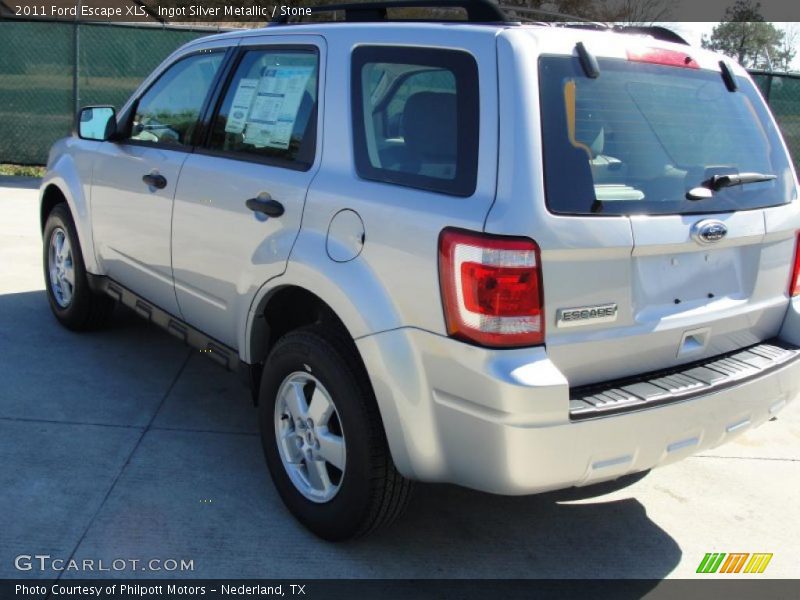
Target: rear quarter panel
394	282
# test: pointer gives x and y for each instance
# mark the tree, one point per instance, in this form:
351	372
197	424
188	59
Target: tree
787	50
638	12
744	35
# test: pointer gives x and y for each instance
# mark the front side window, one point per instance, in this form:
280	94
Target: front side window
168	112
269	110
638	138
415	118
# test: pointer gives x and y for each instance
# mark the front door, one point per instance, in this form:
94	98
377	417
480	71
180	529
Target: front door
135	179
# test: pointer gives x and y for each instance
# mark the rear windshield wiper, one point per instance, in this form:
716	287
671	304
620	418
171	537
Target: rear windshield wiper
717	182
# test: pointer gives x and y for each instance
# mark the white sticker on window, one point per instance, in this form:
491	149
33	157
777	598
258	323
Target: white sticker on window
240	107
275	107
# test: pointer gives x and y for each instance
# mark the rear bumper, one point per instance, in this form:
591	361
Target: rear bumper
686	382
499	421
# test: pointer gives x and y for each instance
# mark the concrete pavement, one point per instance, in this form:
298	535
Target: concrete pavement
124	444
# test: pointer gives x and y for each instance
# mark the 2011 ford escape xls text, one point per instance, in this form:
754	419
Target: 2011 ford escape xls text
512	257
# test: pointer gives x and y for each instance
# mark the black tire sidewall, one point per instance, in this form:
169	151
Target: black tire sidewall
73	315
343	515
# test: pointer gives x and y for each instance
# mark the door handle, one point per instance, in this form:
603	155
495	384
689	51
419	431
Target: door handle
268	206
155	180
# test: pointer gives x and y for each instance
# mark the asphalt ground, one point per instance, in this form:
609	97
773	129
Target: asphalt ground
126	444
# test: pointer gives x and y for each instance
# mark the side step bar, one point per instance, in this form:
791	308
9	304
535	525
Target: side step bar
681	383
208	346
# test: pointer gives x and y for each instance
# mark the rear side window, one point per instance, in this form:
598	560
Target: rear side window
269	110
415	117
640	136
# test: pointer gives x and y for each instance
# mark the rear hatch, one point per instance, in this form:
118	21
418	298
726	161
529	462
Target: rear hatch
667	235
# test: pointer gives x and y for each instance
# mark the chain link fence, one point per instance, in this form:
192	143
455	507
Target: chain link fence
41	89
782	92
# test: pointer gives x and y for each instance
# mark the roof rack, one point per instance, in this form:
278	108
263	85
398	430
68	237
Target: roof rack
552	15
478	11
481	11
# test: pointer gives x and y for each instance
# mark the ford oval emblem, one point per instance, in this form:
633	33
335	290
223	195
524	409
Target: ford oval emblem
709	231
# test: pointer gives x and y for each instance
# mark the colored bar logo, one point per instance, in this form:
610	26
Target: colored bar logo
735	562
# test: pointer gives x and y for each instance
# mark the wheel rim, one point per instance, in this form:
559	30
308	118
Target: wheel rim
61	267
310	438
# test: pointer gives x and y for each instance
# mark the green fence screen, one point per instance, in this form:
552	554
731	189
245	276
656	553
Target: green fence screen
782	92
39	91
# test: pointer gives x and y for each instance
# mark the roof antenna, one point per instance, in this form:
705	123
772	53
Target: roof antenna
588	61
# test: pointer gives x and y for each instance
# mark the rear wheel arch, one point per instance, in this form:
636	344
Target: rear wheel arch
285	309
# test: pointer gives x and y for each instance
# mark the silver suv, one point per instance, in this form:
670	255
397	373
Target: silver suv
513	257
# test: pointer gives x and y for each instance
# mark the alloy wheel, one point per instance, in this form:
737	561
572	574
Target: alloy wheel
61	268
310	438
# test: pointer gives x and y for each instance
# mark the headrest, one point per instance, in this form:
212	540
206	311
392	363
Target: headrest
429	125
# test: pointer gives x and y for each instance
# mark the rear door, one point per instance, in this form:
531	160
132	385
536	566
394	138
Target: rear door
639	274
240	197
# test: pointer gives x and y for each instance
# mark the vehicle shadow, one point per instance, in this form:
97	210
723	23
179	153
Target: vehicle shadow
447	532
115	376
570	534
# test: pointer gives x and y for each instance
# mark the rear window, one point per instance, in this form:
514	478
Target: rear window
415	117
636	139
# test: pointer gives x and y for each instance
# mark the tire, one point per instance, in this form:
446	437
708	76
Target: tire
73	303
320	364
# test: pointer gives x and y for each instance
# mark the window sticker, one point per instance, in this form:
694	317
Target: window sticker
240	107
275	107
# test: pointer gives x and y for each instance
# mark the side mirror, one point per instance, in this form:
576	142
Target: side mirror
98	123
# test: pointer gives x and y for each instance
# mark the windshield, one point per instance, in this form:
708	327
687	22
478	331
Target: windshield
636	139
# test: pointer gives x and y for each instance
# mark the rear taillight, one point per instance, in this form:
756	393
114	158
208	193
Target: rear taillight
662	56
491	288
794	283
